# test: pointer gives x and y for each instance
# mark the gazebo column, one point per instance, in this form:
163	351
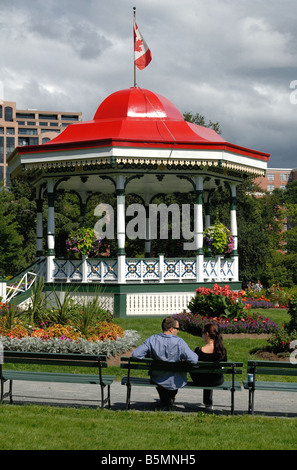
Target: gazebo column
206	197
50	231
121	227
233	224
39	227
148	243
198	228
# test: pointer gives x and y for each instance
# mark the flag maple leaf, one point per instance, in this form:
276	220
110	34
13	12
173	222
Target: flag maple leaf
138	45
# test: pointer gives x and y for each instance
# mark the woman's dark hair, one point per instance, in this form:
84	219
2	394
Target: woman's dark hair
214	334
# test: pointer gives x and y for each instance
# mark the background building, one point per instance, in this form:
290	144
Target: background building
276	178
19	127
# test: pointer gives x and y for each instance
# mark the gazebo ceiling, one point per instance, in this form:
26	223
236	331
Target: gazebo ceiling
138	183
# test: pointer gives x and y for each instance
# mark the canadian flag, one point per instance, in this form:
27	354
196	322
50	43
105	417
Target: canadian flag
142	53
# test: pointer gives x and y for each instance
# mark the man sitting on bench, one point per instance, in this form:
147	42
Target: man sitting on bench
167	346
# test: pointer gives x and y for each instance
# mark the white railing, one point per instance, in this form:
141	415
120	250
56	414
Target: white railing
22	282
143	270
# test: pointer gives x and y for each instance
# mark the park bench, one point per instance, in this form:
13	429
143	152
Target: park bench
271	368
55	359
148	364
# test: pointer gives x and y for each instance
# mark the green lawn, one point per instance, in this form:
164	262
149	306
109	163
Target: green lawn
49	428
33	427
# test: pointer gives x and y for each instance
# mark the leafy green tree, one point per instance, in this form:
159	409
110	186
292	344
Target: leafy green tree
10	239
200	120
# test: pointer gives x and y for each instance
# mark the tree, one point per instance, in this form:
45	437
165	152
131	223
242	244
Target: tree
253	237
199	119
10	239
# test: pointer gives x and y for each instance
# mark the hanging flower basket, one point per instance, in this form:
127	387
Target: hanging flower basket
218	240
83	242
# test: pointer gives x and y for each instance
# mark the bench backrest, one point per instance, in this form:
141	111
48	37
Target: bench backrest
272	368
43	358
201	367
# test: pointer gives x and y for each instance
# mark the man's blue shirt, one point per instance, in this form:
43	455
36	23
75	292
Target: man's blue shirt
169	348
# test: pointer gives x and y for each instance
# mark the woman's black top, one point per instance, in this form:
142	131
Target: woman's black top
208	380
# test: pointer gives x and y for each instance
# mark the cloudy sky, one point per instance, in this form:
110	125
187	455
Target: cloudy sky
231	60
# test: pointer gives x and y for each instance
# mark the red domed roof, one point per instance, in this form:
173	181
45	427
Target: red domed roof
137	115
138	104
139	118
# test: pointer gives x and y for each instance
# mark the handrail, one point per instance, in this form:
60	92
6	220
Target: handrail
23	281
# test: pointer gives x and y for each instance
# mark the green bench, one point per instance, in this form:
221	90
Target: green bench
147	364
271	368
56	359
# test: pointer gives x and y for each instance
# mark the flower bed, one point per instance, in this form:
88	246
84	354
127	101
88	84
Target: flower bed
218	301
109	347
257	302
285	339
98	337
254	324
102	331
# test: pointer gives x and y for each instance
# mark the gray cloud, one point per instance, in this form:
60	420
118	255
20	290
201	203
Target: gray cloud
231	61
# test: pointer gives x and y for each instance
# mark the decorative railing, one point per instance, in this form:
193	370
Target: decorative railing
143	270
22	282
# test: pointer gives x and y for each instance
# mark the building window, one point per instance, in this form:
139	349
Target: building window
282	186
283	177
26	131
48	116
24	141
1	149
8	113
2	130
1	108
270	187
10	145
10	131
25	115
270	176
69	117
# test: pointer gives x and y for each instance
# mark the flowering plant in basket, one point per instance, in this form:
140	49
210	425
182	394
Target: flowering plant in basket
218	239
83	241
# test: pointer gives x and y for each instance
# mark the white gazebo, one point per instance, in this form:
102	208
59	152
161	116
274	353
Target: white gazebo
138	143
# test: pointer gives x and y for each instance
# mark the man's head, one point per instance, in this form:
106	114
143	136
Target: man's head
170	326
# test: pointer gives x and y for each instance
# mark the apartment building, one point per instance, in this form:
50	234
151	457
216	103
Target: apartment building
276	178
19	127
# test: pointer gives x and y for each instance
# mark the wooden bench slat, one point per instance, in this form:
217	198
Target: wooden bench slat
141	381
132	364
269	368
96	361
55	377
273	386
273	371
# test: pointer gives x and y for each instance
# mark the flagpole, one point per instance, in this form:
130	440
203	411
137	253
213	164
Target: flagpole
134	15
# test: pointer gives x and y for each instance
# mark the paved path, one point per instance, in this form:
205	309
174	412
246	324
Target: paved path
146	399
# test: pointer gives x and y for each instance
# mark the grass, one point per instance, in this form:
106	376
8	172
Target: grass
32	427
51	428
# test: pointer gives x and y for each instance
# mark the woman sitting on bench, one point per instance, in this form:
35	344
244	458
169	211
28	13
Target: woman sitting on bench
213	351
